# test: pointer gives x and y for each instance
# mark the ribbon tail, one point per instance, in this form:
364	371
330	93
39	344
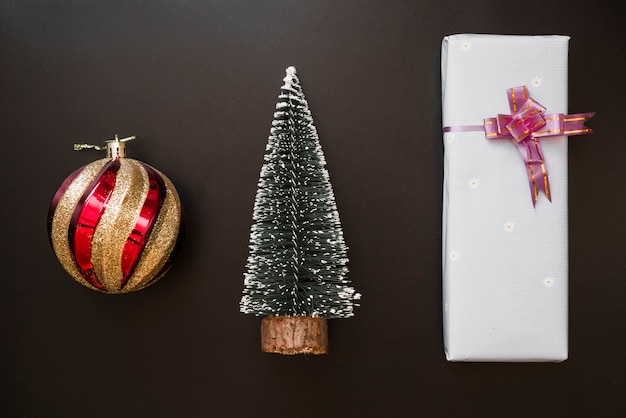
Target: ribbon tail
536	170
575	124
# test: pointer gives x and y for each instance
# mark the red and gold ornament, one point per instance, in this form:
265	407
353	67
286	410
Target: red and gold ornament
116	224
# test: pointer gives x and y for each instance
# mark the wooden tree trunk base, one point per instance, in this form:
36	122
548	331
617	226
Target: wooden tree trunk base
294	335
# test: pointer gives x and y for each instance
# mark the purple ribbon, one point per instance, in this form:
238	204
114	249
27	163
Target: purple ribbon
524	126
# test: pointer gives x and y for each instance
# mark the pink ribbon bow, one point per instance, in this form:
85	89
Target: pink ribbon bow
524	126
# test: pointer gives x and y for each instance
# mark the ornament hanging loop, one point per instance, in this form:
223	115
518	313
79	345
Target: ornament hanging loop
115	147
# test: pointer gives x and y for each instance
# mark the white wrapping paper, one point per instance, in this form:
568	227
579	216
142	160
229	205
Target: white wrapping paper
505	262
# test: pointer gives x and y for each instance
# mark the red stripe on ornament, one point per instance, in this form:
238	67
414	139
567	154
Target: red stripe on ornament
136	241
86	216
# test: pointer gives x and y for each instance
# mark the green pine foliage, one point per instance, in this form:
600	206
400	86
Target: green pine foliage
298	257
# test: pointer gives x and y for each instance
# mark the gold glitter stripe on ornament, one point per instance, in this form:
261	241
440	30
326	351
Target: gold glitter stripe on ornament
117	222
63	216
161	241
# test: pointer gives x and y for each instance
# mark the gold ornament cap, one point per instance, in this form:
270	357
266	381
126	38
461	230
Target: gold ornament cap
115	148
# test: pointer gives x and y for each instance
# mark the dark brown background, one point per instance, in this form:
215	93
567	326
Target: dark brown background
198	82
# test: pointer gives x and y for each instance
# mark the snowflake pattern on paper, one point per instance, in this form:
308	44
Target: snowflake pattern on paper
473	183
466	45
448	137
536	82
509	226
454	255
548	281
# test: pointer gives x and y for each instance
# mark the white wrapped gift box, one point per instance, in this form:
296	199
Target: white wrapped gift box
505	260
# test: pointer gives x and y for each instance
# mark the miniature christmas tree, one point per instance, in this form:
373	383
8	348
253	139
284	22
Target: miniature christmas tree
297	269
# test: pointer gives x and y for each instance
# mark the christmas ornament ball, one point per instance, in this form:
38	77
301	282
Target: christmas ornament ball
116	224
